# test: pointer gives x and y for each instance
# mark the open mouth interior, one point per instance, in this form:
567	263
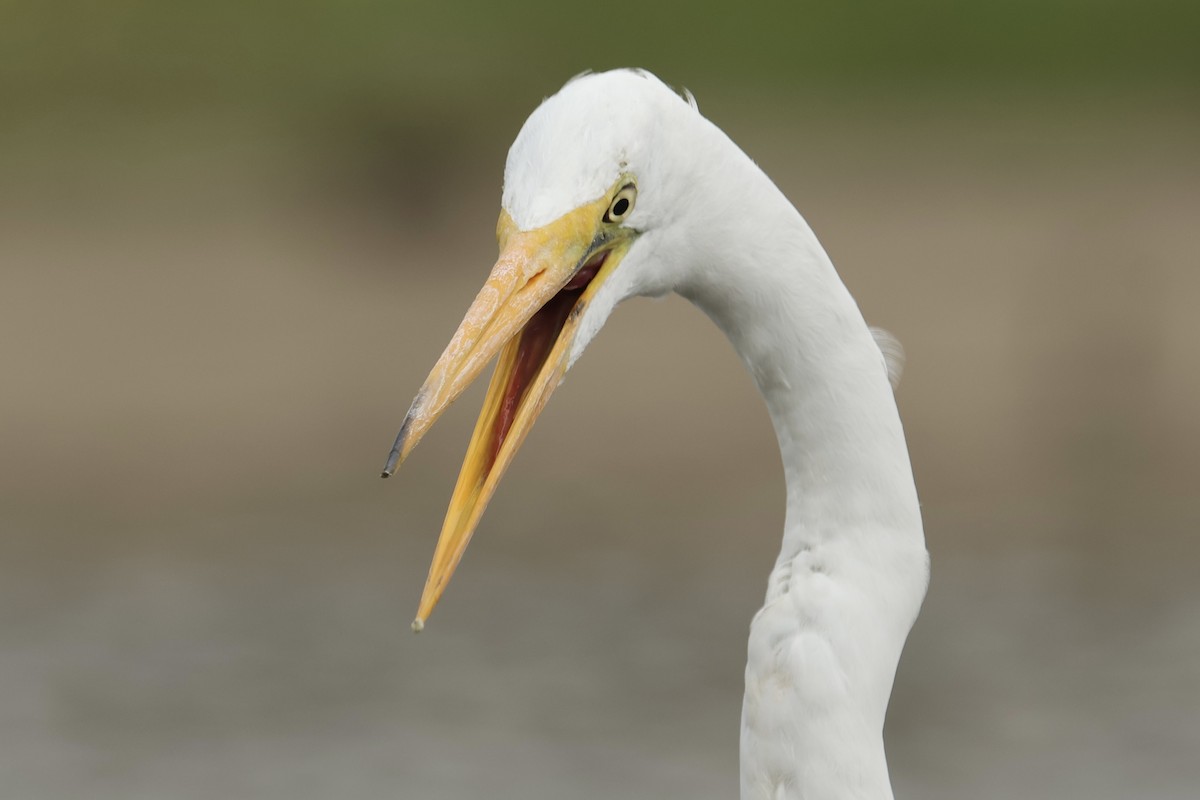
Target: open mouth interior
535	342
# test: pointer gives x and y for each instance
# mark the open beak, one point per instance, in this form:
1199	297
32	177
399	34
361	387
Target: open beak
528	312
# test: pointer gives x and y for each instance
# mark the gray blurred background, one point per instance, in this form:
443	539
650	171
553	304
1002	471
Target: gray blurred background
234	237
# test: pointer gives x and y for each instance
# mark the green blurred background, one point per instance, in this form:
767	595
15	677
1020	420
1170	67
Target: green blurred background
234	237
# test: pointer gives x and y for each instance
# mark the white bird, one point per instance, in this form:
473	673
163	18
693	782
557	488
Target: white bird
615	187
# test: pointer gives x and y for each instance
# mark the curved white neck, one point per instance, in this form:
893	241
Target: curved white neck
853	568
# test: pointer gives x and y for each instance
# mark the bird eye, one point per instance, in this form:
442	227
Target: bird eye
621	205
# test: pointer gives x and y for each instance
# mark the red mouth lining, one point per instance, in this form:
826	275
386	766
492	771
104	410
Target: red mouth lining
537	339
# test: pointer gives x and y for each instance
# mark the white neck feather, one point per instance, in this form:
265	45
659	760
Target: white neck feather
853	568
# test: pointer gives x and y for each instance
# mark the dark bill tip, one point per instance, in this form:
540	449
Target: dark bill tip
389	468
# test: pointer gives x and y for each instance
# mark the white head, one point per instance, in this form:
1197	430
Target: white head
602	131
578	142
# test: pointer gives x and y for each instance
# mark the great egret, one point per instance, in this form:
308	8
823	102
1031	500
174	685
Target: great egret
616	187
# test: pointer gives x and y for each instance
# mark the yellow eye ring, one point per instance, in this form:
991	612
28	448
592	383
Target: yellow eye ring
622	204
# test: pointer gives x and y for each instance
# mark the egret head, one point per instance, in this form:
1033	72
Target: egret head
593	183
603	139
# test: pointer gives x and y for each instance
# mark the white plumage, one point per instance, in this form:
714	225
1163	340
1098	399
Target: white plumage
709	225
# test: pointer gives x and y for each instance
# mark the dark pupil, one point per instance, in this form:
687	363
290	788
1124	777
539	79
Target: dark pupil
620	207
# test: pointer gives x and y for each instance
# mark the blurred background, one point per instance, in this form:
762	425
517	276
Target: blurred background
235	236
